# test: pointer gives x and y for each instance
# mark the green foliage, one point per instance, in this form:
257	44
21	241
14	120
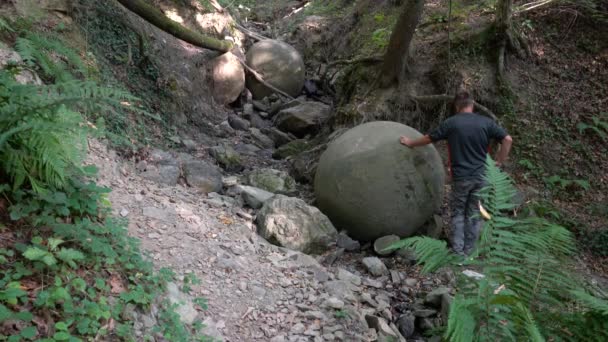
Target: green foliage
528	291
381	37
50	57
70	254
598	125
557	183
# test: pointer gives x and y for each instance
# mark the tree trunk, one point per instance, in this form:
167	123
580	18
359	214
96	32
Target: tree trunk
394	67
158	19
503	24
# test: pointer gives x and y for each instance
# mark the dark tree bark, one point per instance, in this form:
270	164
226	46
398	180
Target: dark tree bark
158	19
503	24
394	68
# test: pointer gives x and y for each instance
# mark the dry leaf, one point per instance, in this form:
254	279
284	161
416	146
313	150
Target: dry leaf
117	284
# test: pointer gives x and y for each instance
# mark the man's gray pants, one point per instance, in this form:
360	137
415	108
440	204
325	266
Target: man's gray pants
466	222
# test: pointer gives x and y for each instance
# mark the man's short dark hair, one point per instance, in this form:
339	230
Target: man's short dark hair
463	100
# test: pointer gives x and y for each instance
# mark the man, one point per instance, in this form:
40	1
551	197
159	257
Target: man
469	137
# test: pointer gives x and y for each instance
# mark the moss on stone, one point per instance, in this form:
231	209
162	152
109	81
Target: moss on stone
291	149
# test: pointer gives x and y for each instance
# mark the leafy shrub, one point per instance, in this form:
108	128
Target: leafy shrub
528	291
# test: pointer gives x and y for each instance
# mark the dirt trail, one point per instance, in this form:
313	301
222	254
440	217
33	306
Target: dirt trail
256	291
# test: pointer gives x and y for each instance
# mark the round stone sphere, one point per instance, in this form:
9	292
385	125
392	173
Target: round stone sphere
279	64
371	185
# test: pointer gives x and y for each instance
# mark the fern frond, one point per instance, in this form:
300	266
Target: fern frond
432	254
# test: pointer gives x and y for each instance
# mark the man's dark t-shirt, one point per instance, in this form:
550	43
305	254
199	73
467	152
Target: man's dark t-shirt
468	136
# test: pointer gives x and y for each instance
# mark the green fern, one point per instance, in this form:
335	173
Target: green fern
528	291
54	60
43	135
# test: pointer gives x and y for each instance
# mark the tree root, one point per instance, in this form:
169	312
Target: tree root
367	59
445	97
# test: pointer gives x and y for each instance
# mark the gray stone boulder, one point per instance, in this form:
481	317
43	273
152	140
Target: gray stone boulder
227	157
261	139
228	78
271	180
254	197
279	64
203	176
291	223
160	167
238	123
381	244
303	118
375	266
370	185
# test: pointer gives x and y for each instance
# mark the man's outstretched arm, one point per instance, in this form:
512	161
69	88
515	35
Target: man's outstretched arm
505	148
425	140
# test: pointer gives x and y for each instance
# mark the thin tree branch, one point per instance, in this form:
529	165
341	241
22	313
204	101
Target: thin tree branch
445	97
368	59
261	80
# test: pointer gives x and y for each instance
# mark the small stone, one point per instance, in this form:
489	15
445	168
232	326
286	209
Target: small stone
261	139
426	324
381	244
243	286
238	123
226	129
315	315
124	213
373	283
406	325
248	110
279	338
395	277
334	303
424	313
434	297
230	181
298	328
347	276
154	236
411	282
254	197
346	242
375	266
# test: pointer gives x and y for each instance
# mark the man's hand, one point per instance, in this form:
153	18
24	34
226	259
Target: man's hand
405	141
424	140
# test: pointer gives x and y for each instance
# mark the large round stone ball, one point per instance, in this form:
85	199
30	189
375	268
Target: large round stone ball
370	185
279	64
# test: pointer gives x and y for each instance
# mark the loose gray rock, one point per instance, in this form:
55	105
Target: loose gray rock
259	123
248	111
261	106
261	139
348	276
162	174
446	305
407	325
375	266
378	187
424	313
203	176
384	331
341	289
303	119
281	65
226	130
433	298
275	181
279	137
185	308
334	303
227	157
344	241
254	197
292	223
238	123
382	243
